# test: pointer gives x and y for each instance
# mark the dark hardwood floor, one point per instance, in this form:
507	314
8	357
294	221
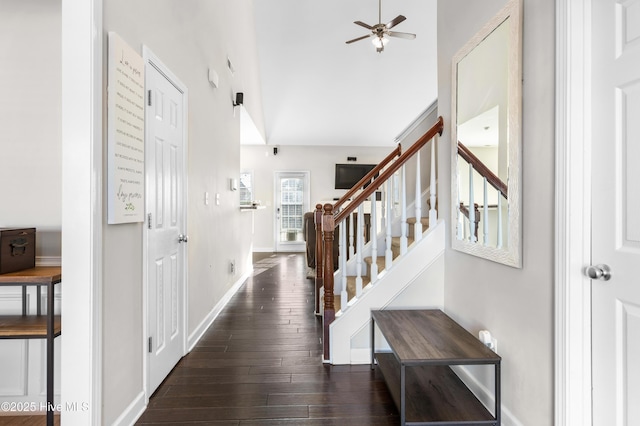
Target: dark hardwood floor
260	364
27	420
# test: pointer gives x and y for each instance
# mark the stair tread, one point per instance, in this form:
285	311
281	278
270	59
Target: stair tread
351	285
423	220
395	241
380	261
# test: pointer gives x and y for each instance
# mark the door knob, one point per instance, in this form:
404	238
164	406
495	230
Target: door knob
183	238
599	272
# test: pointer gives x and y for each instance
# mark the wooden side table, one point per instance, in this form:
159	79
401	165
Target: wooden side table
35	326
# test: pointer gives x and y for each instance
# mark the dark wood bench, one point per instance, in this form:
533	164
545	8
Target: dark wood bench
424	344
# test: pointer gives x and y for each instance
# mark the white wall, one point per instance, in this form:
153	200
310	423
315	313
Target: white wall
319	161
189	38
516	305
30	169
30	114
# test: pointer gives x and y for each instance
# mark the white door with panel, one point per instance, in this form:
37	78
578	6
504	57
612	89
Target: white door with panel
615	212
291	202
166	226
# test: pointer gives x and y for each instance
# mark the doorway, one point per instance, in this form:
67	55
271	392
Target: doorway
597	320
291	203
165	230
615	203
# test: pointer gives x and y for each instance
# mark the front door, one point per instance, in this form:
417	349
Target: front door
292	202
616	211
166	198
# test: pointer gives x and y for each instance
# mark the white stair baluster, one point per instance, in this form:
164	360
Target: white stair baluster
499	242
461	226
388	254
344	297
396	195
383	205
472	210
433	191
417	227
403	212
373	231
360	244
460	215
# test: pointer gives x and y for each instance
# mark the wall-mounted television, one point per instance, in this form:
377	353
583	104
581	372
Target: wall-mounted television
347	175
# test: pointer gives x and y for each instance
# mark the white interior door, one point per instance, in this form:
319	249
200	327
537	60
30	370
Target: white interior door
166	251
292	202
616	205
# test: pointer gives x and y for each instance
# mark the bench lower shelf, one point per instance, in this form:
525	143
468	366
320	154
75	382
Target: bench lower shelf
27	327
433	394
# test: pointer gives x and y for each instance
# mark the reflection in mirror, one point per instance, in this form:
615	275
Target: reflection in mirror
486	99
246	188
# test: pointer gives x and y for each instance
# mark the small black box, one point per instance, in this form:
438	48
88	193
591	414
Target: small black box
17	249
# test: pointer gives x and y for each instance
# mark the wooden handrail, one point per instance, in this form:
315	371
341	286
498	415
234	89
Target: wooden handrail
329	219
404	157
395	153
482	169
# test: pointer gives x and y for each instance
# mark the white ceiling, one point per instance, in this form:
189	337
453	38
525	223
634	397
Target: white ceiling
318	90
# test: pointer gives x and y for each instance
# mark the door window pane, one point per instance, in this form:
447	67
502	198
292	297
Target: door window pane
291	217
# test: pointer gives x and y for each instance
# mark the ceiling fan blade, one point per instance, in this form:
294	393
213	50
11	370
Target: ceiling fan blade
359	38
362	24
408	36
395	21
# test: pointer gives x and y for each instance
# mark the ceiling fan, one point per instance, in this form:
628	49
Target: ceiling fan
381	32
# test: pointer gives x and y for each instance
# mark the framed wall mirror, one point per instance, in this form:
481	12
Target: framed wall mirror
486	140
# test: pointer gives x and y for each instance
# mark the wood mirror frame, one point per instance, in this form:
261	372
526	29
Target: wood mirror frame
506	245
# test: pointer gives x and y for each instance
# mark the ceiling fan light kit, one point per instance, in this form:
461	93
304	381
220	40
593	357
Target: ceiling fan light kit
381	32
380	42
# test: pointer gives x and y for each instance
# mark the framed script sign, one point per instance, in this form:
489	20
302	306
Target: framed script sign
125	133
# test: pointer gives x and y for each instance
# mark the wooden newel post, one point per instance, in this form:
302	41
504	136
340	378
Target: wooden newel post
317	217
328	226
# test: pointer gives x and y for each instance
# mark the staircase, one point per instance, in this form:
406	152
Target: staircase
415	280
380	261
400	266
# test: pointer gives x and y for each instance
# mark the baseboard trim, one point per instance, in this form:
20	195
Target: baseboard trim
360	356
263	250
485	396
48	261
199	331
133	412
